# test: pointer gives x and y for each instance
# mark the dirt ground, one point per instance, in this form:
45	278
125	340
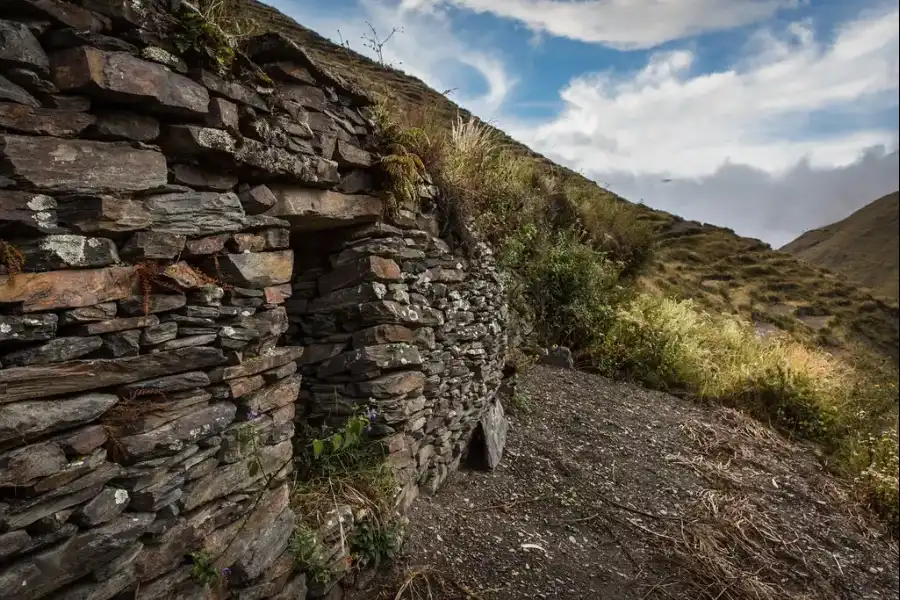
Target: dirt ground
610	491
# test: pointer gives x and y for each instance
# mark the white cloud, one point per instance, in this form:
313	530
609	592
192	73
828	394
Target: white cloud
425	46
669	121
623	24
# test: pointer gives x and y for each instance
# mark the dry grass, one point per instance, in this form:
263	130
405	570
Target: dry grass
11	258
735	542
805	392
428	583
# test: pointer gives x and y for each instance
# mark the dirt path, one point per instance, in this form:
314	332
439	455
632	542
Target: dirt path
610	491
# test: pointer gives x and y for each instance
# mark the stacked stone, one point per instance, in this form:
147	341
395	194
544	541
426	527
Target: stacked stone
164	229
396	321
146	399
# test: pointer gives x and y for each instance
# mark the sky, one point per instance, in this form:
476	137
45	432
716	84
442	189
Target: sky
770	117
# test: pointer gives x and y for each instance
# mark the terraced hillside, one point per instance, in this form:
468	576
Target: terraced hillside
865	246
721	270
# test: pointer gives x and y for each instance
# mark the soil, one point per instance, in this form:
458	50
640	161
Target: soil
611	491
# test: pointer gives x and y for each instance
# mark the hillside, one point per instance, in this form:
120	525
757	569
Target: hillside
724	272
608	490
865	246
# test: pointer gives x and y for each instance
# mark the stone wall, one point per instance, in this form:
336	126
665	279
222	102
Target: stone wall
193	259
392	319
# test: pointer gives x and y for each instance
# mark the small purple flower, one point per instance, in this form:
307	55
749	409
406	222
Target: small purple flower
226	572
252	415
371	414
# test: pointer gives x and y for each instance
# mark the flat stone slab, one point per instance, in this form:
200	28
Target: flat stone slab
66	165
121	77
66	289
27	383
309	209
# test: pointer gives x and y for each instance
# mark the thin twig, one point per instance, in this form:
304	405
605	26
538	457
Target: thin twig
510	504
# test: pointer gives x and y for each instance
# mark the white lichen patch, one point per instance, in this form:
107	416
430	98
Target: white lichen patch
69	248
121	496
41	202
43	219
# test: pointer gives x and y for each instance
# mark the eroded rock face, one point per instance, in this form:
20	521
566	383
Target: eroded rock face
308	209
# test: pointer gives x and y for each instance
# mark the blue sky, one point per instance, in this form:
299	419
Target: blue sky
770	117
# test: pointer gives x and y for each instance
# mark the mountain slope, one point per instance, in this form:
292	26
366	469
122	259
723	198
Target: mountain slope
724	272
865	246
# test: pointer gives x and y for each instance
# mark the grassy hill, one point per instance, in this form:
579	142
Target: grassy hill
637	293
722	271
865	246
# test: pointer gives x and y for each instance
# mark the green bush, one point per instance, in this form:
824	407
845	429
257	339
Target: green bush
570	290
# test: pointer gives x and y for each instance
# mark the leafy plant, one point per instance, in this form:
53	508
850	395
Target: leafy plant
309	554
345	439
374	544
204	572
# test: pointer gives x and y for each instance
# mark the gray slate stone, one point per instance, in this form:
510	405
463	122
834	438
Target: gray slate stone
67	251
121	77
36	212
103	507
86	314
153	244
26	383
122	343
29	328
12	92
159	333
62	165
30	419
54	568
156	303
20	49
173	436
195	213
125	125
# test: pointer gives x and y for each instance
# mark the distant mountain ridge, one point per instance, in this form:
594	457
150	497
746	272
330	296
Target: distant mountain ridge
864	247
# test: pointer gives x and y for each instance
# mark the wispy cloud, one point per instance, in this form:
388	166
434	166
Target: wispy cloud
668	120
623	24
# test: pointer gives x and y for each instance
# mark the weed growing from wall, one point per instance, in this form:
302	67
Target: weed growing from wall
204	572
343	466
374	544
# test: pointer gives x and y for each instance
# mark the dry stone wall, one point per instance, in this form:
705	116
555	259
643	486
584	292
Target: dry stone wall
194	264
393	320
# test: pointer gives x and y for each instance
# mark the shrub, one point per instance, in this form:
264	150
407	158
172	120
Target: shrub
570	290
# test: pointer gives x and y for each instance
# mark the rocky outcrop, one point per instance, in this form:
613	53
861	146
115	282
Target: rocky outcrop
194	267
